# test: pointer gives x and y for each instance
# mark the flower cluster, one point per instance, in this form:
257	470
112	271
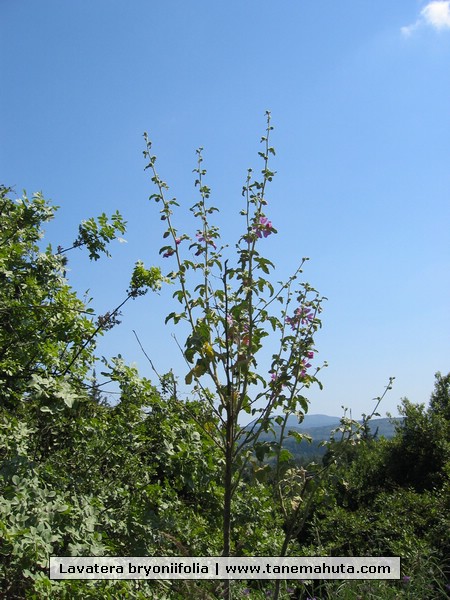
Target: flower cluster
263	228
302	316
300	370
304	365
202	239
238	333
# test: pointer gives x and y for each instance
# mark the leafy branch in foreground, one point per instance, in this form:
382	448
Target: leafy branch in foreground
95	234
47	334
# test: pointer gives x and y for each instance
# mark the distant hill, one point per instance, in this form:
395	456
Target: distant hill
313	421
320	427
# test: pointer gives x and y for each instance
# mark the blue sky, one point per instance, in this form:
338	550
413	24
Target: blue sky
359	94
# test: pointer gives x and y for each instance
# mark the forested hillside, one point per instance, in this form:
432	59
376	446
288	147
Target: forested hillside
156	475
313	445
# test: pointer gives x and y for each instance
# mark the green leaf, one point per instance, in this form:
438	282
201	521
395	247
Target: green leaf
299	437
285	456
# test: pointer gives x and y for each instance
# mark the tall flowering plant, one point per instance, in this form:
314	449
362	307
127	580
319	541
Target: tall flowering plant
233	309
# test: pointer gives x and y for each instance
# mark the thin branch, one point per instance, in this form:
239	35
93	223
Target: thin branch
147	356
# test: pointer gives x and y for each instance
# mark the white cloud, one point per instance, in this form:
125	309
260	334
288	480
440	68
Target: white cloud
436	14
409	29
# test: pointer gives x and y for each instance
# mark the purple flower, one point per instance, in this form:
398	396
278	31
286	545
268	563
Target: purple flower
406	579
205	239
276	379
302	315
263	228
168	253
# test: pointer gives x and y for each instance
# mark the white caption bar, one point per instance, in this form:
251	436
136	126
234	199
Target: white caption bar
202	567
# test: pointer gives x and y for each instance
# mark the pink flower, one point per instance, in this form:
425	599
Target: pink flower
302	315
264	227
304	366
205	239
275	379
290	321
